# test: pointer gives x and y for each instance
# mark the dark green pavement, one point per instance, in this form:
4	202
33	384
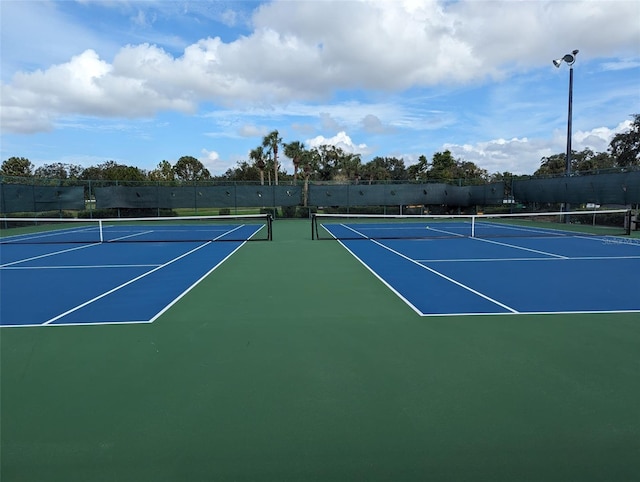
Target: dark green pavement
293	362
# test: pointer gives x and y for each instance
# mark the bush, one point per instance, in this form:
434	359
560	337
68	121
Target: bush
127	213
289	211
224	211
272	211
305	212
54	214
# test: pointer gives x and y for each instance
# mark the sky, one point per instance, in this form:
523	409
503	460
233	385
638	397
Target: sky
138	82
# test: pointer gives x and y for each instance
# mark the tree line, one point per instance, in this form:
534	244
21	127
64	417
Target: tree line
331	163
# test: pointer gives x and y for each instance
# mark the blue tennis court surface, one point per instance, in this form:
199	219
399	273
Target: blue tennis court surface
462	275
71	284
205	228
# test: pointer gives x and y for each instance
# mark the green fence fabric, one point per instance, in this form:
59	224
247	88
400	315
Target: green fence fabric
28	198
616	188
405	194
196	196
487	194
29	195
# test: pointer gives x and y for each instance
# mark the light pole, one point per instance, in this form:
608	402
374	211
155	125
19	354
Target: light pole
568	59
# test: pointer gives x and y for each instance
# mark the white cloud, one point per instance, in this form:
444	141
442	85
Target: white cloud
523	156
373	125
519	156
211	160
249	130
599	138
341	140
86	85
306	51
229	17
422	70
622	64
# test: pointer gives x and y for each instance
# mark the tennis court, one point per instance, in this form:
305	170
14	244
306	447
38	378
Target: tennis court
112	271
291	360
482	265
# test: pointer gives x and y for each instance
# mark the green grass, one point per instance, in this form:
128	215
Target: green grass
214	211
292	362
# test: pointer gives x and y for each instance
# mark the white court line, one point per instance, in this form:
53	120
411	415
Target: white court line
451	280
423	267
528	229
477	260
76	308
373	272
195	283
554	257
450	233
49	323
522	313
521	248
113	290
79	266
48	254
364	236
18	238
350	229
88	323
128	236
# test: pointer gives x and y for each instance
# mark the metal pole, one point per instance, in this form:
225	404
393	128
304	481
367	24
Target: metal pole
568	165
569	59
568	155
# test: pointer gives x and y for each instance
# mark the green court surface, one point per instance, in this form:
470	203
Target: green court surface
292	362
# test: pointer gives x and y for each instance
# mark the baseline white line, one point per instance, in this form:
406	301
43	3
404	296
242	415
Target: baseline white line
107	293
82	323
476	260
451	280
426	315
603	312
16	268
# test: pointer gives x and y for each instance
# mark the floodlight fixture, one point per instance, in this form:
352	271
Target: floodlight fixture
569	59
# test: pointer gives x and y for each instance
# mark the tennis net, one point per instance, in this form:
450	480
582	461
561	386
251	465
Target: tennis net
160	229
363	226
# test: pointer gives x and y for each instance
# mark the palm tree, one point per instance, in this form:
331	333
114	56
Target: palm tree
257	156
350	165
272	141
309	162
294	151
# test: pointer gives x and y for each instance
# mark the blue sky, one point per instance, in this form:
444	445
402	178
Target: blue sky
139	82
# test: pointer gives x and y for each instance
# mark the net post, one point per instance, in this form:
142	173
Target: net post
628	221
313	222
100	230
473	226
